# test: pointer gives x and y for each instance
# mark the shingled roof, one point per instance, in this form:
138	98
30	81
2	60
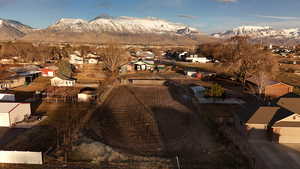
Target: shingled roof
265	82
263	115
291	104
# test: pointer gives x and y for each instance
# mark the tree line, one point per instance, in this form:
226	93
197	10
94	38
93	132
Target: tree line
241	58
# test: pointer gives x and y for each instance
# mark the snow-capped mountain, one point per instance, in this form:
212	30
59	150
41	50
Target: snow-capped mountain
10	29
122	25
260	32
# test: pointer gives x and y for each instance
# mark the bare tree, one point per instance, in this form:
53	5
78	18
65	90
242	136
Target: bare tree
113	56
241	57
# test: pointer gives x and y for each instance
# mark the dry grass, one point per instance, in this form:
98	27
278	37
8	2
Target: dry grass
210	67
40	84
289	78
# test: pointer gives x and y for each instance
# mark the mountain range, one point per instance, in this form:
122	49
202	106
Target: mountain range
11	30
134	30
263	34
96	30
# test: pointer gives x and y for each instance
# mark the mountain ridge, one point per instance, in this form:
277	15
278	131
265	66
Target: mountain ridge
260	32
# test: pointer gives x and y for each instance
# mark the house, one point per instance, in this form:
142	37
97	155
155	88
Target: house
87	95
10	80
270	88
196	59
76	60
286	127
7	61
47	72
30	72
259	122
144	65
12	113
7	96
61	81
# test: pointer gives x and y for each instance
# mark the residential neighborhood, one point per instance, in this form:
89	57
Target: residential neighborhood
147	84
262	111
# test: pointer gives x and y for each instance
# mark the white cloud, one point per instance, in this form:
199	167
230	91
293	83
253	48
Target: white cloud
226	1
278	17
187	16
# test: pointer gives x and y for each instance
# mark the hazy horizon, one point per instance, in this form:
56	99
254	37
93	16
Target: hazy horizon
208	16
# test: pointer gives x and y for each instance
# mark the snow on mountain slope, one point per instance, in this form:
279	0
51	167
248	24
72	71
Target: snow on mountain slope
11	30
15	24
260	32
121	25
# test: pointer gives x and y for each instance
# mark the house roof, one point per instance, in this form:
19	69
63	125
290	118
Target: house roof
287	124
60	76
291	104
8	107
265	82
141	62
263	115
6	75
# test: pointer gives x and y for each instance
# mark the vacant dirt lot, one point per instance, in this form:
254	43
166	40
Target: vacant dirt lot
149	121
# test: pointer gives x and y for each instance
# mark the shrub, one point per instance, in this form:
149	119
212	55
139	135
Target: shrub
215	91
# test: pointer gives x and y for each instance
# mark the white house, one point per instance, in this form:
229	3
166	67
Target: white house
62	82
196	59
12	113
144	65
76	60
7	97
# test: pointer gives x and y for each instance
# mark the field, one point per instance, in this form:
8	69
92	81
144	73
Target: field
161	121
150	121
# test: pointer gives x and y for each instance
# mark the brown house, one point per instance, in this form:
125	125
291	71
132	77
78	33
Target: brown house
269	88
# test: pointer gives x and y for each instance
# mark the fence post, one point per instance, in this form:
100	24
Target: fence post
178	162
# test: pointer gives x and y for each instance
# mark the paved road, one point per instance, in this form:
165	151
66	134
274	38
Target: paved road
277	156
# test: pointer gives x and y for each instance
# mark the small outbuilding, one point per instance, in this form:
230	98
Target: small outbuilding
12	113
46	72
87	95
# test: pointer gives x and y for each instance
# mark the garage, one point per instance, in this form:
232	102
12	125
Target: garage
258	124
286	132
12	113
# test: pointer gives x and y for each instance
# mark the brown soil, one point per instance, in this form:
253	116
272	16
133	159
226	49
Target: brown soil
151	121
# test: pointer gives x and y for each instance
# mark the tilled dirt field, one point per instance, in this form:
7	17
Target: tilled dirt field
150	121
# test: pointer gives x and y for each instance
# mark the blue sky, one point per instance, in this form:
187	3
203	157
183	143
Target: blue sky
207	15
